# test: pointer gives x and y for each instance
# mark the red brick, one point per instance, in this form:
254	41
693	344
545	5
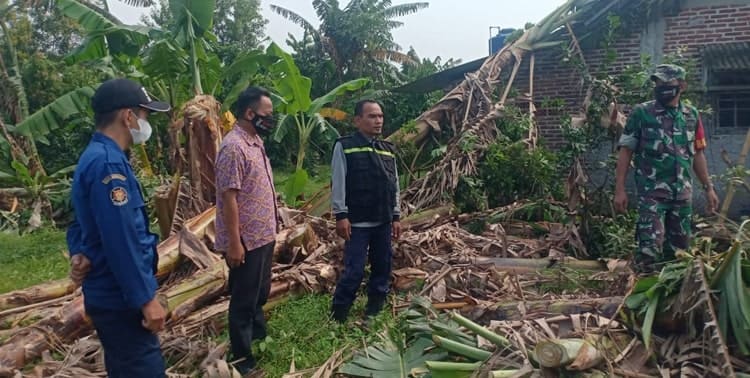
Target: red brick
724	30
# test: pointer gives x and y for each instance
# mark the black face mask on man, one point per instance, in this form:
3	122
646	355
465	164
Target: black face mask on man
263	124
665	93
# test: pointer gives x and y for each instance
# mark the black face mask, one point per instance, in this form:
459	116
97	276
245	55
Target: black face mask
263	124
664	94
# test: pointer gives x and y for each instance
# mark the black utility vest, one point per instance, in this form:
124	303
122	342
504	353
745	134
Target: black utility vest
370	178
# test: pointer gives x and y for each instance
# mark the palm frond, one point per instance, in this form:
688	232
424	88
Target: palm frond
138	3
323	8
393	24
404	9
393	56
295	18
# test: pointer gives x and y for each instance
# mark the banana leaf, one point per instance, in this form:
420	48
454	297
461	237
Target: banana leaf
55	115
734	298
387	360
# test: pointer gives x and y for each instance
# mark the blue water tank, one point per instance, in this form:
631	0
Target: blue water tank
498	41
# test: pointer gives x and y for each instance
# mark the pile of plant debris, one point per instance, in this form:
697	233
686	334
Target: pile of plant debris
485	275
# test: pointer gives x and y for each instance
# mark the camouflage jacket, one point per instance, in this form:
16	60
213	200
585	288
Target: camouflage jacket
664	142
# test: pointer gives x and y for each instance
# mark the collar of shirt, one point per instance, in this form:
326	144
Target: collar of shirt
367	138
252	140
660	109
108	142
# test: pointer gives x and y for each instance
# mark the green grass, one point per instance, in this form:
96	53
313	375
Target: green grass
300	328
26	260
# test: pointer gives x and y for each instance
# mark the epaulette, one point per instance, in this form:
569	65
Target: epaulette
339	139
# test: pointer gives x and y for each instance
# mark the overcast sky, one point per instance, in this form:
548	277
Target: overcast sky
448	28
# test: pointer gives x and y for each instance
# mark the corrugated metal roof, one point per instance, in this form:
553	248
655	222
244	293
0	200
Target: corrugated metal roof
441	79
727	56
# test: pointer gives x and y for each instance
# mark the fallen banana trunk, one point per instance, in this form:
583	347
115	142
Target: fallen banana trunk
605	307
575	354
36	294
190	295
64	326
169	259
292	241
520	265
70	322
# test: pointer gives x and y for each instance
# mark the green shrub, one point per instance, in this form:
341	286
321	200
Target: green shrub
511	172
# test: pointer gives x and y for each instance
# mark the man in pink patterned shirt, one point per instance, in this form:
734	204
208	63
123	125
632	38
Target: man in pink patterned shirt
246	220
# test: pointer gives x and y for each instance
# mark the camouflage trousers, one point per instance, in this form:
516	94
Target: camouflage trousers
663	227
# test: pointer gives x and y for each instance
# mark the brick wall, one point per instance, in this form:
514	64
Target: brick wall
691	28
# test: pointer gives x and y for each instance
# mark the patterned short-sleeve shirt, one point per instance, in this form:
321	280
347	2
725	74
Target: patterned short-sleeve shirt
242	165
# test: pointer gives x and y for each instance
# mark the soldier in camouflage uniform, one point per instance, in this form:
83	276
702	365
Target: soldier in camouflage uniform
668	141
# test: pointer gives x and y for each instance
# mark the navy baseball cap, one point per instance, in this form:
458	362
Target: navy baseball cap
123	93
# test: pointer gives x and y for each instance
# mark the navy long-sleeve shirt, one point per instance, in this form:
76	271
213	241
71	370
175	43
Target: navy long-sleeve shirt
111	229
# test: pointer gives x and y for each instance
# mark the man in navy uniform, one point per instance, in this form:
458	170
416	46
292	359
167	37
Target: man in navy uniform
365	200
112	251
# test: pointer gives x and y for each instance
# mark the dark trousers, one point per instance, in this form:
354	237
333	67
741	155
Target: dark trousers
129	349
378	240
249	286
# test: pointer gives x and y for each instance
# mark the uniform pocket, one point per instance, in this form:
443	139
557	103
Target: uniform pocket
652	141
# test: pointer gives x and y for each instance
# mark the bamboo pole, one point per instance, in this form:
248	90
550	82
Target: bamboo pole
512	78
532	107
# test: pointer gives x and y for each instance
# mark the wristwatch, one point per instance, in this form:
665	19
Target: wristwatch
708	186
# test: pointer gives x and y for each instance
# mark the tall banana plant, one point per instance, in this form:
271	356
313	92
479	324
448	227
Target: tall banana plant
301	115
17	104
105	36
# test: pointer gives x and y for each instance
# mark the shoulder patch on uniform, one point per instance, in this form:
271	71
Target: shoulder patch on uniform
114	176
119	196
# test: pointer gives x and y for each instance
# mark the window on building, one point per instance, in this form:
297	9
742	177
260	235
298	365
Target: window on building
733	110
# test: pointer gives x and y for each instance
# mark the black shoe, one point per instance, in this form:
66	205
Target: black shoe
340	312
245	366
375	304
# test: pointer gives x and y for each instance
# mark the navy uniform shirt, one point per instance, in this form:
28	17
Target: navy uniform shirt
111	229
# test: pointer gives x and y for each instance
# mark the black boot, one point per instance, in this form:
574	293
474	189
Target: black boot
339	312
375	303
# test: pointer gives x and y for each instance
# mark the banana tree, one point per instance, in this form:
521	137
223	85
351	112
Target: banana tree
301	115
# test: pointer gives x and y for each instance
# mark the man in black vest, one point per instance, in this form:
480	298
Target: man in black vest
365	198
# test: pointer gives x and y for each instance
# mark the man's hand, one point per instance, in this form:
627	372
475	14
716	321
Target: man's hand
621	201
712	201
79	268
235	255
154	316
396	230
344	229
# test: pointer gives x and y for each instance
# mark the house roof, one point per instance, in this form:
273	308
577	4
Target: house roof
734	56
441	79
